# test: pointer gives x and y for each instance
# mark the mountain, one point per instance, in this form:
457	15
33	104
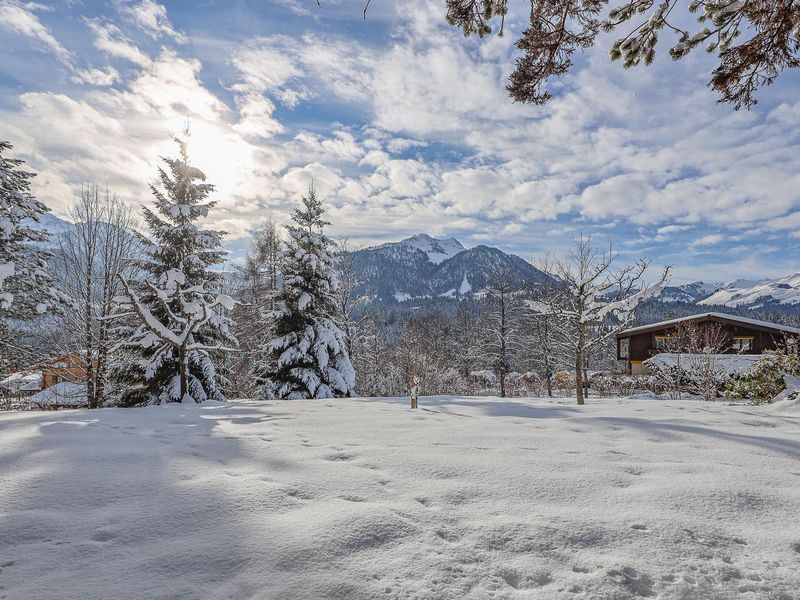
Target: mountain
51	223
425	267
437	251
688	292
766	293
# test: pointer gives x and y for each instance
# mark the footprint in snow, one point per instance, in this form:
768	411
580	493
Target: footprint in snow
449	536
511	578
103	536
352	498
639	583
299	495
338	456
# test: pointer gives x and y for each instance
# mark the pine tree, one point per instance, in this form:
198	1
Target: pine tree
25	286
174	320
309	350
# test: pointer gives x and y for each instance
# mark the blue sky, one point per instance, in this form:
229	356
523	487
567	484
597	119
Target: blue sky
404	126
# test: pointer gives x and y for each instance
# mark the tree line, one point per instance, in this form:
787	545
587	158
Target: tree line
161	315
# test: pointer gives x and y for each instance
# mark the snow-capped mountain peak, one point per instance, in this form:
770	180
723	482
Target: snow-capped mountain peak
437	250
688	292
423	267
784	290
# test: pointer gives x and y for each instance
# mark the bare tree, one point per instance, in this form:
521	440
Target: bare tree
350	301
465	341
542	326
692	360
754	39
502	322
704	343
98	246
255	287
596	300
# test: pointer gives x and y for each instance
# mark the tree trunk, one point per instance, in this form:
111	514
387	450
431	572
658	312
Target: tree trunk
549	381
183	369
102	345
585	376
579	366
578	378
91	395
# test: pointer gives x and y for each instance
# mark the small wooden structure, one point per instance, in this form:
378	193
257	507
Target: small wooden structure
742	336
69	367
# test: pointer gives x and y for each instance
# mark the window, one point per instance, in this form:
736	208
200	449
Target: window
742	343
661	342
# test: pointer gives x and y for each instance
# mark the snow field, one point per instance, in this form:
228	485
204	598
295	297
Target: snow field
363	498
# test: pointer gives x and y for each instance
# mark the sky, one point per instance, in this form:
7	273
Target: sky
404	126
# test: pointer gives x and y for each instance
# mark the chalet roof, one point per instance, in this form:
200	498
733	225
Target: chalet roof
710	316
22	382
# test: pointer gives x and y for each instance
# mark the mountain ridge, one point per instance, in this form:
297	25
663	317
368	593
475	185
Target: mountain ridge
420	267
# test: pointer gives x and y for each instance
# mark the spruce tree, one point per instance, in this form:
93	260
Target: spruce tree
173	319
25	286
309	351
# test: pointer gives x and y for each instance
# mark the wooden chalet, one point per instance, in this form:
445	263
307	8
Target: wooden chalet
742	336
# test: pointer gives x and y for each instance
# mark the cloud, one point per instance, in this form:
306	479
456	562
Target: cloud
98	77
708	240
342	146
411	129
150	17
108	38
21	19
255	116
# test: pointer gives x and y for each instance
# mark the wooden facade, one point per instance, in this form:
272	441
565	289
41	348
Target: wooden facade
741	336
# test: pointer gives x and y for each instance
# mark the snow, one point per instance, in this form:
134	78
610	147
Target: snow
464	498
6	271
60	394
732	364
22	382
303	301
788	399
465	287
402	296
785	290
436	250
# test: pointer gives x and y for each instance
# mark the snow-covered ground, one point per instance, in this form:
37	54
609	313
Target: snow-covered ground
464	498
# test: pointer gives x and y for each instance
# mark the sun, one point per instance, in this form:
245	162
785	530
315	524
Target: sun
226	158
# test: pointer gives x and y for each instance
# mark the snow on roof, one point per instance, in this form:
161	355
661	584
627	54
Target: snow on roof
709	315
61	394
22	381
730	363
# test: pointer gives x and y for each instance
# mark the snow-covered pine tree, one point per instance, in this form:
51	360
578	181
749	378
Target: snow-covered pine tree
174	320
309	350
25	286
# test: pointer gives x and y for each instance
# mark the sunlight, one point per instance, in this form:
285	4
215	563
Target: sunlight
227	160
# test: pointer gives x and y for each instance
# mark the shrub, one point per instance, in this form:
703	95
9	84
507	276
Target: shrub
765	379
